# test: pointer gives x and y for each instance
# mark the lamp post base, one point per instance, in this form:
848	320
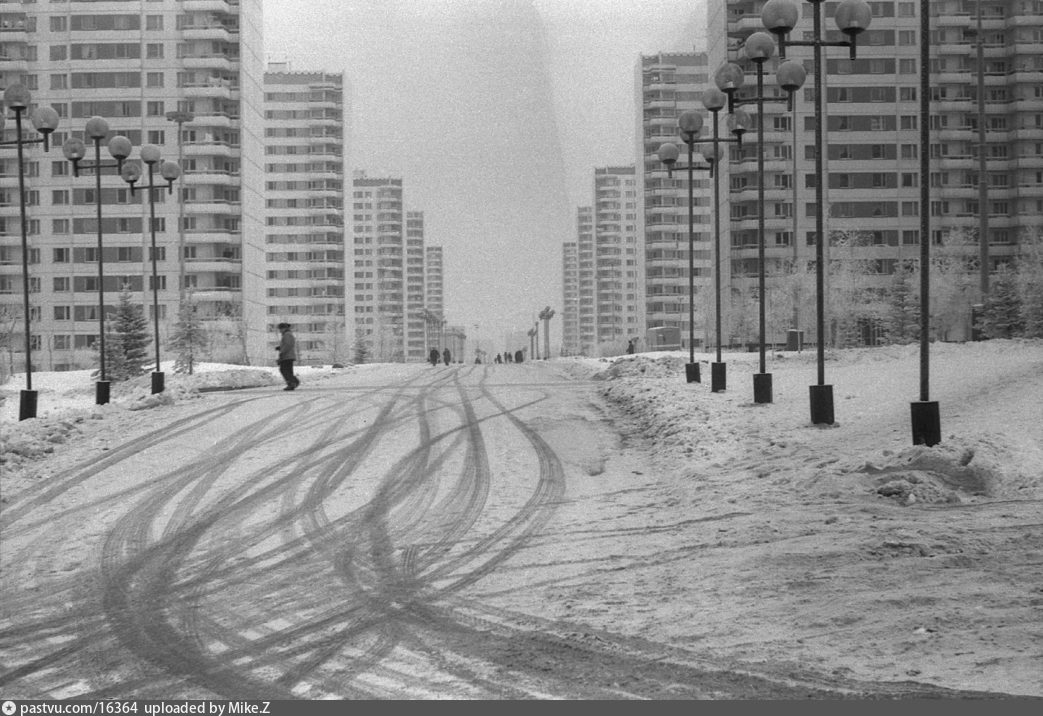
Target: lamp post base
157	382
101	392
822	404
762	387
927	427
691	373
27	404
718	377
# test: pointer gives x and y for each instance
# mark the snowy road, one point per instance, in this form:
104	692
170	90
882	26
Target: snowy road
331	542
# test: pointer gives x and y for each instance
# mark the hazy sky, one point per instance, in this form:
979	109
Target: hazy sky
494	113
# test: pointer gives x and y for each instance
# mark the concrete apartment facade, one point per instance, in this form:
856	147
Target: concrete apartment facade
668	84
618	305
872	150
133	64
434	296
586	281
378	298
415	298
570	344
305	242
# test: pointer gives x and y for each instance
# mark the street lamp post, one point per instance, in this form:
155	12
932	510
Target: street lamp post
74	150
926	419
690	124
131	173
714	100
45	121
729	79
545	315
852	17
180	117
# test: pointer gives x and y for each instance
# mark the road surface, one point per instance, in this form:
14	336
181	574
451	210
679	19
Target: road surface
389	533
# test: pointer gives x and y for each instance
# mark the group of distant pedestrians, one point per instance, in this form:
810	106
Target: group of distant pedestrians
508	357
434	356
287	354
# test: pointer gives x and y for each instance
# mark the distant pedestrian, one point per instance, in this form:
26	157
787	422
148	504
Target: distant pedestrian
287	352
445	356
518	357
498	359
630	345
433	356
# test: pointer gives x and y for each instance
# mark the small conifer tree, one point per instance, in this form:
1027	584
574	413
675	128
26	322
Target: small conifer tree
1001	315
131	325
189	338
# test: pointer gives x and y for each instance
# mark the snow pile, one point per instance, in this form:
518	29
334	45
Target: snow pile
991	446
65	402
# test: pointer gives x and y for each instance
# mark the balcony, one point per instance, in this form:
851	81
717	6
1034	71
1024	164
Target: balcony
221	6
214	87
207	31
208	62
210	149
210	176
211	265
220	208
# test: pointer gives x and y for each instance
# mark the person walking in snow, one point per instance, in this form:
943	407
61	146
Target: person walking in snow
287	351
433	356
445	356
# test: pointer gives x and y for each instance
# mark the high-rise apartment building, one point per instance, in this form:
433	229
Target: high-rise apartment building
872	148
619	309
415	298
586	281
305	246
133	64
570	343
434	294
667	85
379	302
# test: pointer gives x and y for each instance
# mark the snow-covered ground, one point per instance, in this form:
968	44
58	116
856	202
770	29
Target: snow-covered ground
845	548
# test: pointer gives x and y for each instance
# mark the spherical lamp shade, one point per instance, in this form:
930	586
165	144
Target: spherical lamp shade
131	172
150	154
709	154
74	149
170	171
17	96
45	119
668	153
779	16
739	122
760	46
729	77
119	147
853	16
97	128
714	100
791	75
690	122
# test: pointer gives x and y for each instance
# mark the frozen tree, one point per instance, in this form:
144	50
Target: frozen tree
903	316
361	349
188	339
10	317
854	297
953	281
1001	313
1030	277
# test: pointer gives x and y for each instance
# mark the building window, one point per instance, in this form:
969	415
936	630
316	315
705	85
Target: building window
153	22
